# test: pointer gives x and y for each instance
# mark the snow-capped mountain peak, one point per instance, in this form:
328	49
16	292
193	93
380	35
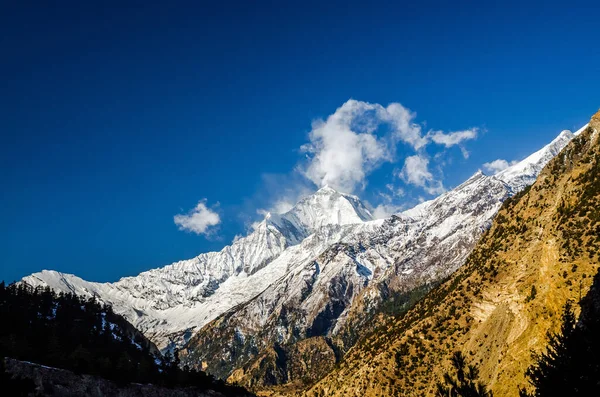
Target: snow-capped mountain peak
579	131
526	171
189	293
326	206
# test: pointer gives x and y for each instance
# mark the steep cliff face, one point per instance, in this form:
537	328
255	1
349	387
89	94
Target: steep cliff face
541	251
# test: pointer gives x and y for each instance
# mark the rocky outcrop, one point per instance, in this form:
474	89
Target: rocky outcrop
300	363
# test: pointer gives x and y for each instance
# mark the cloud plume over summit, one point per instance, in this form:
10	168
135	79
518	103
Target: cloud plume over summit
359	137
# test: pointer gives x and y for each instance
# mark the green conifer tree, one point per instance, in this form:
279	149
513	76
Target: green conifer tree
464	383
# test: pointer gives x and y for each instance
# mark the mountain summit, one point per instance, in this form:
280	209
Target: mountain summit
324	207
328	206
170	302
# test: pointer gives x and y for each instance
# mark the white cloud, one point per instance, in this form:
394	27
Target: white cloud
389	202
360	136
406	129
416	172
338	155
452	138
384	211
200	220
345	148
498	165
282	206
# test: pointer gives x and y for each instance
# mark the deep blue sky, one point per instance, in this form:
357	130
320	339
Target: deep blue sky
114	119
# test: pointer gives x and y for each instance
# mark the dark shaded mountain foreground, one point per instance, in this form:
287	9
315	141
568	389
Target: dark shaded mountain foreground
80	336
541	252
63	383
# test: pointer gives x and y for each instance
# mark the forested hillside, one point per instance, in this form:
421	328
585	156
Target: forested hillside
69	332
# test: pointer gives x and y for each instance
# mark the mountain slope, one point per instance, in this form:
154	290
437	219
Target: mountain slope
541	250
350	278
329	300
168	303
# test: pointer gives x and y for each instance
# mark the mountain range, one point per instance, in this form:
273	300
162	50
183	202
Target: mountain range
311	279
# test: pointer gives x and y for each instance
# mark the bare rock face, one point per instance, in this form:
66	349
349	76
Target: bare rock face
62	383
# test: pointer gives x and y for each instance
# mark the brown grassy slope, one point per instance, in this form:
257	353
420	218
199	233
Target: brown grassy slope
545	240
